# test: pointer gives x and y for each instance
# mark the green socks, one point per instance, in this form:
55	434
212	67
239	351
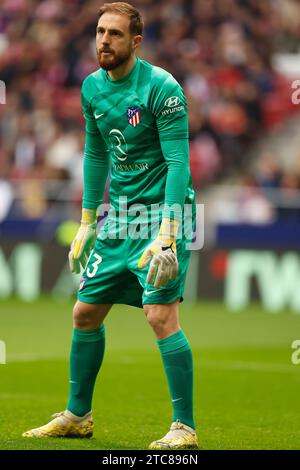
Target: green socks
85	361
178	363
86	358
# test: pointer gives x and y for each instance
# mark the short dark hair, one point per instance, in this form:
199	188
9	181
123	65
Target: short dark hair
136	21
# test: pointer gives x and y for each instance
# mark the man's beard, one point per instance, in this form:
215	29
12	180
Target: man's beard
114	60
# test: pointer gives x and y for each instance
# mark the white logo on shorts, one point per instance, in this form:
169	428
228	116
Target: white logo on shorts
148	292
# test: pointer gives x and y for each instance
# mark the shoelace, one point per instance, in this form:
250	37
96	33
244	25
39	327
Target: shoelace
176	430
62	417
56	415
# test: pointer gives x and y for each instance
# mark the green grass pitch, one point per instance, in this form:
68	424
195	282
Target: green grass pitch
246	387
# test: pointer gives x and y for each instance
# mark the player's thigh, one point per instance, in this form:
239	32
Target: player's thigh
89	316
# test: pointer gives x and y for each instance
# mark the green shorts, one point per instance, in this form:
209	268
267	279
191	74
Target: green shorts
112	275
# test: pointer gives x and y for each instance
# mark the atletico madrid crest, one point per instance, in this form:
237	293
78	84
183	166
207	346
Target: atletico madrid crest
134	115
82	281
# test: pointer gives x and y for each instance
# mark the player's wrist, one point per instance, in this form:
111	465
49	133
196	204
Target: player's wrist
88	216
168	229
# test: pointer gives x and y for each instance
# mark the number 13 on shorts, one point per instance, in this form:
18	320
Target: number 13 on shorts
95	265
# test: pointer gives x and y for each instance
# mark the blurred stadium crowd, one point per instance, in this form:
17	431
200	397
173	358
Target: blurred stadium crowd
220	50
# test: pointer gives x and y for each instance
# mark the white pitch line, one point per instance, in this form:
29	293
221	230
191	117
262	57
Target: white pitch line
207	363
250	366
31	357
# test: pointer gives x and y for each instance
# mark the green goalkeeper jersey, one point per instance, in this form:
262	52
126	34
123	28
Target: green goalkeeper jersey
136	130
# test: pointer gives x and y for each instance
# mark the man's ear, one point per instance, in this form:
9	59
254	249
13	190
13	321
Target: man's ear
137	40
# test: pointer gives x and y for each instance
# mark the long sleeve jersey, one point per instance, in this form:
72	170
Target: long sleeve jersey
136	130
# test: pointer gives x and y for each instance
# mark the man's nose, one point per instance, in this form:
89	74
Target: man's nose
105	38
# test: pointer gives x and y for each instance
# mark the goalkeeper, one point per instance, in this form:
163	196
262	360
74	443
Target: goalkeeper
136	130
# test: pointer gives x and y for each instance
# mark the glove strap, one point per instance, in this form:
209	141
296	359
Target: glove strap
168	229
88	216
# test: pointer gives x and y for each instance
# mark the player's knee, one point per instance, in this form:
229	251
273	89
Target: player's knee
164	319
156	322
159	321
83	316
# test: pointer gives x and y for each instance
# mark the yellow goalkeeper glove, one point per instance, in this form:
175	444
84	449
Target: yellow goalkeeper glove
162	251
83	241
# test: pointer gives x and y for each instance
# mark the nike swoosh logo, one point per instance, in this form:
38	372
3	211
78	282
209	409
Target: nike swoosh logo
177	399
148	292
72	382
97	116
